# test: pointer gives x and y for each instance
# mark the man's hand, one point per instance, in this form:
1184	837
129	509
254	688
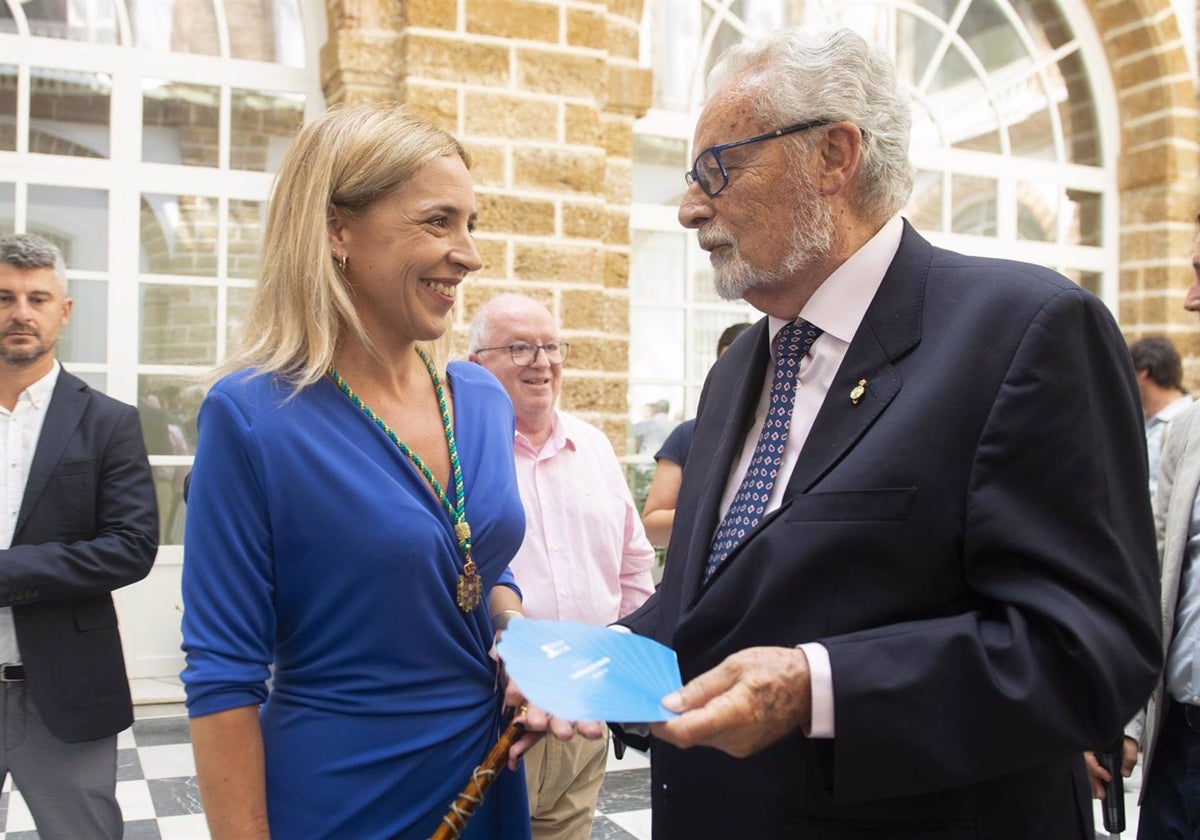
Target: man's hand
1097	775
749	701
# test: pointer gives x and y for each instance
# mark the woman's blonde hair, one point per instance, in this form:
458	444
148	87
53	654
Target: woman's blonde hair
347	158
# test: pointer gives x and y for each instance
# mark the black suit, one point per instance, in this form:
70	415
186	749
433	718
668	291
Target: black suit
88	525
972	542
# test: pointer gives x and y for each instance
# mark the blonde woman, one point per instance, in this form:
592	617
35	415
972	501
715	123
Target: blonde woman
353	510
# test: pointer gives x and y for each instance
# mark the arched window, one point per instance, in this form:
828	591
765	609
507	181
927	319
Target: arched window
141	136
1011	144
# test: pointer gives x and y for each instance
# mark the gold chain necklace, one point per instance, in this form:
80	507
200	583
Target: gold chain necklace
469	591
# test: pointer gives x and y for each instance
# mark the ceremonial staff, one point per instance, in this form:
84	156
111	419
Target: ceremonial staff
481	779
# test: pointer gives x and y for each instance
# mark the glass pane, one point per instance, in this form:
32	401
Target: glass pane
638	476
85	338
661	162
94	21
992	38
180	123
702	288
924	208
654	270
974	205
179	235
726	36
916	41
674	44
189	27
656	343
954	76
289	34
266	32
237	304
167	406
1090	280
1077	110
1038	206
76	220
706	328
8	105
95	379
244	230
1033	136
8	205
262	125
7	22
178	325
1085	225
69	112
654	410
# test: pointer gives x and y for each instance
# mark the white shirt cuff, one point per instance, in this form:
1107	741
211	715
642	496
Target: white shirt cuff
820	675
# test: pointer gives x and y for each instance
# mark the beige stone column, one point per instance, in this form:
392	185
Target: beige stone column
1158	170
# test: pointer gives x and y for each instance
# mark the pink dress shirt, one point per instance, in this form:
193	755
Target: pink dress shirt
585	556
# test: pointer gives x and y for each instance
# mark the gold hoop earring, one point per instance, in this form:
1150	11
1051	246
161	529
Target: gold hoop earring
341	261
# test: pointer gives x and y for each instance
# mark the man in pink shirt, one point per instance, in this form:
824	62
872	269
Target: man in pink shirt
585	556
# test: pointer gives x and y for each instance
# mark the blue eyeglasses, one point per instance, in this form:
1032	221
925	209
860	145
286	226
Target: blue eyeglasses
709	172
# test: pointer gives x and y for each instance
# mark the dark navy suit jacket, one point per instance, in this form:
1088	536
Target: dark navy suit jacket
88	525
971	541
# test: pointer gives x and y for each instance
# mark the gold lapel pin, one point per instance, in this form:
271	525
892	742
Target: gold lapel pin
857	391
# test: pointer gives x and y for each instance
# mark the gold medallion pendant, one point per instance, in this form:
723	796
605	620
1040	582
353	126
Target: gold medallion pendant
470	588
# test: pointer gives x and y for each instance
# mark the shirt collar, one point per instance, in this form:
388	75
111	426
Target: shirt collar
840	303
40	392
1174	409
559	438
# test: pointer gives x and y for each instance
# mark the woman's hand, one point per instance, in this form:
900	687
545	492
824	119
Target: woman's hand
538	722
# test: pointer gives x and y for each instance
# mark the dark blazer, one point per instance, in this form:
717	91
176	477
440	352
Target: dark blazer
88	525
971	541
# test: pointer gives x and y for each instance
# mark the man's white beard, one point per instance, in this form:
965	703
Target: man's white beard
811	241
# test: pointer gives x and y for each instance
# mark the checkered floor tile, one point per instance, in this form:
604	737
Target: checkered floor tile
156	787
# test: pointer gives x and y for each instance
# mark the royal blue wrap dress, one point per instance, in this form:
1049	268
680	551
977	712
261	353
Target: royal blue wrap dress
318	581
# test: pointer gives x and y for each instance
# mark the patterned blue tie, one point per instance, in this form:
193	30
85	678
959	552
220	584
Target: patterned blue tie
791	345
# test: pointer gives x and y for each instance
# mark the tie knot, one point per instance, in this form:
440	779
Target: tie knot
795	338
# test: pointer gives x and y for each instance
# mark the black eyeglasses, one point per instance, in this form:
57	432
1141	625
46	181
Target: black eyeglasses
526	354
709	172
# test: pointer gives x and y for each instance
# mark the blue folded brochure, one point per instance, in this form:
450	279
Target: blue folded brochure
582	672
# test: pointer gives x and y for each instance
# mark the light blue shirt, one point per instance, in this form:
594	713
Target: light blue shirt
1183	656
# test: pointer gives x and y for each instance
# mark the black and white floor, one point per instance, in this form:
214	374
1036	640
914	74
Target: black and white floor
156	787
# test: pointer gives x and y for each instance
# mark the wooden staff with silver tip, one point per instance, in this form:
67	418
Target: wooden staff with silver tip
471	797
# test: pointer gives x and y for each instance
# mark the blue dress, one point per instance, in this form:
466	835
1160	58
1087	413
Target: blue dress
318	581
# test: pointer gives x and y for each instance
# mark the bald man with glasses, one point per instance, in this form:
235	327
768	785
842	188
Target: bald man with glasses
585	556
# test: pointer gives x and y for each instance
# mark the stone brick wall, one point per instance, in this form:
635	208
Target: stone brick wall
1158	170
544	94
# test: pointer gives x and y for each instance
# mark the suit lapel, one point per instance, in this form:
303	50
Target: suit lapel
1179	512
890	328
68	402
